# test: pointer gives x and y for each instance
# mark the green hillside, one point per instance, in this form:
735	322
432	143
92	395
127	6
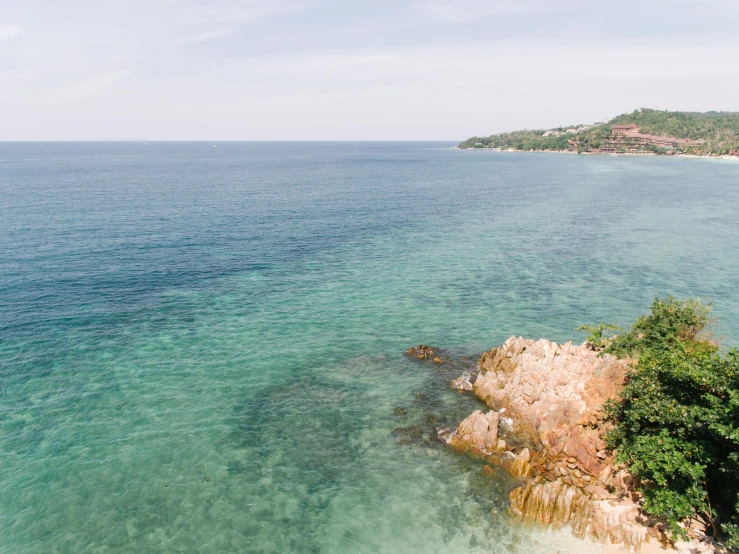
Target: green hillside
719	130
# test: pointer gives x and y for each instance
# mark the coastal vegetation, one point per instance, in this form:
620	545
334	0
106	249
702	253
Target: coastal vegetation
720	130
599	336
676	425
710	133
640	440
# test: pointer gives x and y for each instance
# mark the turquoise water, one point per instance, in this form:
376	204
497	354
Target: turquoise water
201	348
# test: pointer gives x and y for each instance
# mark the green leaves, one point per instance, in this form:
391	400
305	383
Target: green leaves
677	424
720	131
599	336
732	535
671	325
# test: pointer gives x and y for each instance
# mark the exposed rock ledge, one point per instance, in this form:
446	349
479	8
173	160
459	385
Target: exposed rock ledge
550	397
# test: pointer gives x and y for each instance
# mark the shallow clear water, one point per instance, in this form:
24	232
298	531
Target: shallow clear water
201	348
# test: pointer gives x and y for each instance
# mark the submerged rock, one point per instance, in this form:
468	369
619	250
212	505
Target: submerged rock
408	435
488	471
422	352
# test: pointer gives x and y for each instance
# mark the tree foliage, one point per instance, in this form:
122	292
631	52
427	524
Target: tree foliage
677	423
719	130
519	140
600	335
669	325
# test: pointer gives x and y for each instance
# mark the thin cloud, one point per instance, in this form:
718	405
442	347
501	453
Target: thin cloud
87	89
467	10
248	11
323	69
224	19
470	10
210	35
9	31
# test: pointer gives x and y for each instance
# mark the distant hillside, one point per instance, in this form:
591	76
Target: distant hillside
643	131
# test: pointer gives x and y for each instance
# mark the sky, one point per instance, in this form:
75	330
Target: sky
351	70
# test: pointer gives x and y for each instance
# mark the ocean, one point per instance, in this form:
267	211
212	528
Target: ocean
201	344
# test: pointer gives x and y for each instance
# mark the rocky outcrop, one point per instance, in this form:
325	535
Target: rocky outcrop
550	396
548	389
423	352
478	434
592	514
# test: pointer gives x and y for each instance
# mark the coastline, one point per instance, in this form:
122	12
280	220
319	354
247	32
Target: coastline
545	429
618	154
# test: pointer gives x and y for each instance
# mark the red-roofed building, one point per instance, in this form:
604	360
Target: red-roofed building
663	142
623	129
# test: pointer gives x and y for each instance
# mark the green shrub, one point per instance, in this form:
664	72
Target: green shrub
599	336
670	324
677	423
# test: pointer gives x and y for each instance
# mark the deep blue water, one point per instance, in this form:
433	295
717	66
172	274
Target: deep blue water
201	348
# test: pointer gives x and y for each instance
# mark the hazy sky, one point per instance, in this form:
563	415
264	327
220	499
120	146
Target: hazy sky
326	69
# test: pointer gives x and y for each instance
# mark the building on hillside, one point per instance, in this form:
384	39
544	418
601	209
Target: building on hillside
655	140
668	143
623	129
629	138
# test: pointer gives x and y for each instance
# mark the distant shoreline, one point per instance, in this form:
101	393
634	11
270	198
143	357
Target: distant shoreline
619	154
642	132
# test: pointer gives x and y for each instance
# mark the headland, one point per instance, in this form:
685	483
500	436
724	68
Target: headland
642	132
568	423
